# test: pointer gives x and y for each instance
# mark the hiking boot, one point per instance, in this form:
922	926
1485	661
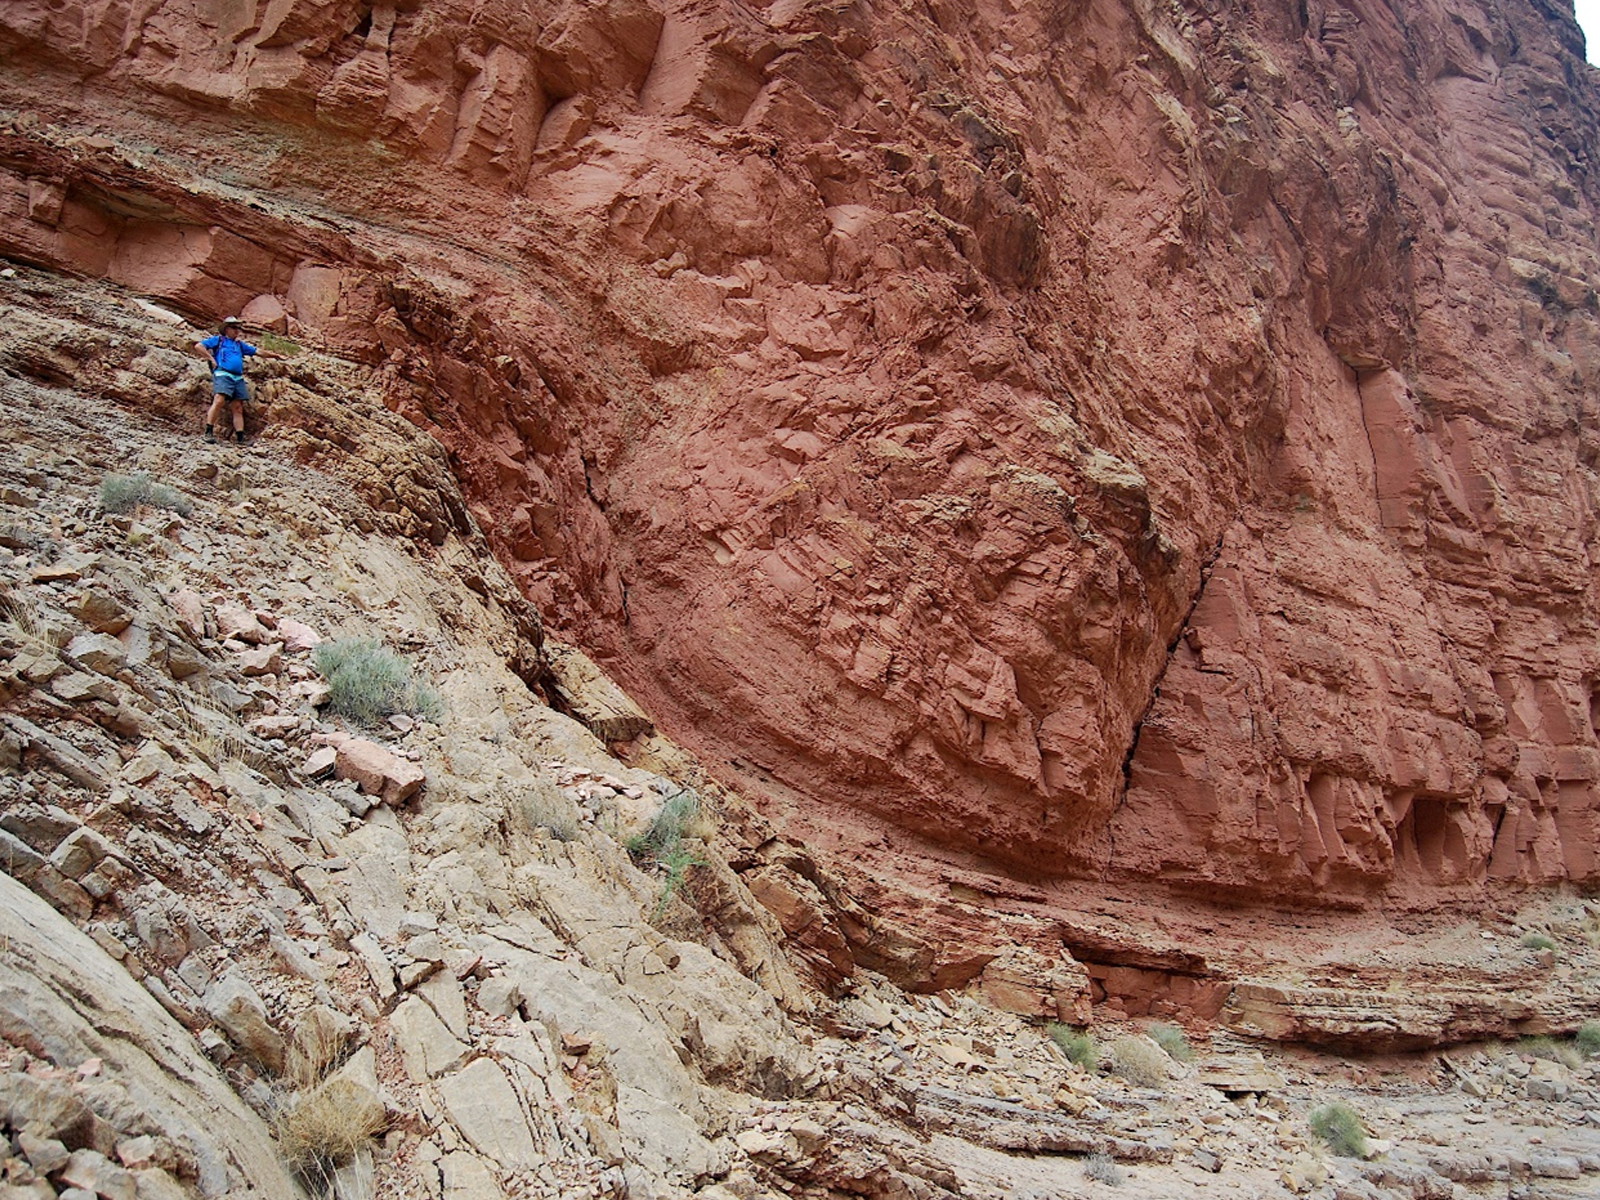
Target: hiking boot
238	436
210	435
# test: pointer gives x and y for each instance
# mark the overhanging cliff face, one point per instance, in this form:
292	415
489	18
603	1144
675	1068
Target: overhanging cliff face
1148	442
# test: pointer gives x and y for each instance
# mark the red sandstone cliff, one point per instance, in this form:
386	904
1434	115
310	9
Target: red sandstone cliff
1152	444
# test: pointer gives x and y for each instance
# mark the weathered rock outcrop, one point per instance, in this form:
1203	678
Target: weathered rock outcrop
1086	442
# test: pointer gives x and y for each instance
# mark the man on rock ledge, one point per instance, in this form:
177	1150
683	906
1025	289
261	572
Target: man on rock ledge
226	354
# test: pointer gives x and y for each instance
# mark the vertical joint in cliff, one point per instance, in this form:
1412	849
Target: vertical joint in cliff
588	483
1366	431
1172	647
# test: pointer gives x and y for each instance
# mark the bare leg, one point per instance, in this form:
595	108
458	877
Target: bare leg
238	416
215	410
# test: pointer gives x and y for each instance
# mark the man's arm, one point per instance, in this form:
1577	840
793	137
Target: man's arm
205	352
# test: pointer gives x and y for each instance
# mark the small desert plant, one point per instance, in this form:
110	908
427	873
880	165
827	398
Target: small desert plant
212	733
675	864
124	493
320	1043
427	703
549	810
1140	1061
667	828
1170	1038
1340	1129
29	624
1102	1168
1551	1051
1538	941
663	845
328	1125
368	682
1077	1044
1587	1039
276	341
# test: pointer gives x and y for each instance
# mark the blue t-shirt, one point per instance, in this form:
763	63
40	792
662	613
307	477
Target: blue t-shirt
230	353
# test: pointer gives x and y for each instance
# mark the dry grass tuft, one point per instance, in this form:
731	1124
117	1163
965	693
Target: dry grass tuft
1102	1168
1140	1061
328	1125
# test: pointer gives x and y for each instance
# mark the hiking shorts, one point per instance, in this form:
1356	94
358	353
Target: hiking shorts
226	383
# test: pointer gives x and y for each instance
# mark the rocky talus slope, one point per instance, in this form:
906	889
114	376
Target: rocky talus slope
249	949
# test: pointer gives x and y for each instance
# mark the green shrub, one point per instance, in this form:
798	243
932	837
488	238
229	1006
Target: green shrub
1170	1038
1587	1039
663	845
1102	1168
427	703
675	864
1340	1128
1077	1044
1140	1061
667	828
124	493
368	682
1538	941
276	341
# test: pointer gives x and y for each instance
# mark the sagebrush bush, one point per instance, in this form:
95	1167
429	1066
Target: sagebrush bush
1140	1061
1102	1168
668	827
1538	941
1170	1038
1587	1039
1340	1129
124	493
368	682
1077	1044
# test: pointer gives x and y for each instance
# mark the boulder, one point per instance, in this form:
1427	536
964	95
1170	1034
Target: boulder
190	611
238	1008
101	612
99	1176
427	1047
485	1108
98	652
239	623
79	852
265	659
297	636
377	771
